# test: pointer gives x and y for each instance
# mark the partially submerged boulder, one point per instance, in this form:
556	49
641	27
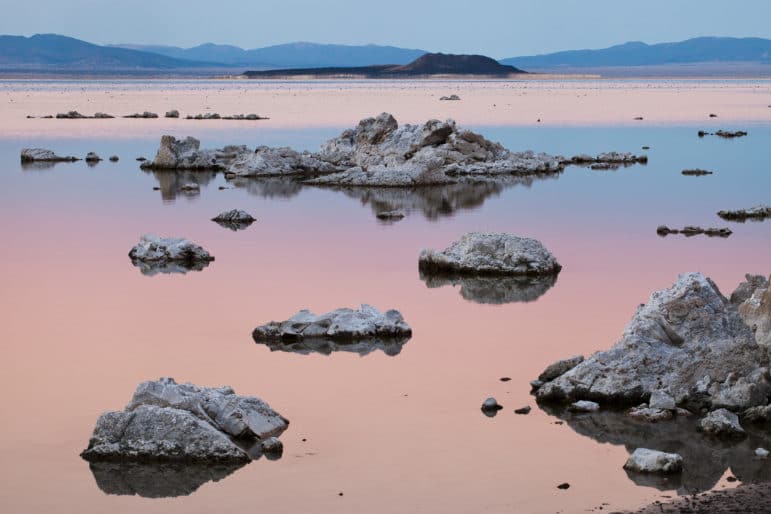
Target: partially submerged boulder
340	325
479	253
170	422
689	341
155	254
644	460
234	219
722	423
690	231
42	155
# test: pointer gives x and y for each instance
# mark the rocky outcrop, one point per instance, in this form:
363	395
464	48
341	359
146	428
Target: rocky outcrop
496	289
755	309
758	213
170	422
722	423
366	323
186	154
155	254
644	460
29	155
479	253
690	231
234	219
688	341
277	162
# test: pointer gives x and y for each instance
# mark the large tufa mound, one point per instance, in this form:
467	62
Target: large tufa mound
169	422
688	341
480	253
378	152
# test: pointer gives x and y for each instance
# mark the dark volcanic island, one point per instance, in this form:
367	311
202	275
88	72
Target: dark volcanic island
424	66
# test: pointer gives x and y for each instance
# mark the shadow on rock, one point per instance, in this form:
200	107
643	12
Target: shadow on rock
153	480
705	459
494	289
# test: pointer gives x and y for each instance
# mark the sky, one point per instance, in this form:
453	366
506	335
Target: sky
498	28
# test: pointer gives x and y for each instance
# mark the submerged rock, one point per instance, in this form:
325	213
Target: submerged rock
644	460
170	422
478	253
234	219
758	213
338	325
155	254
688	339
495	289
42	155
722	423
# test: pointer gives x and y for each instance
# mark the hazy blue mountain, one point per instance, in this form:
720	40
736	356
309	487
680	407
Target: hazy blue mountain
698	50
51	51
290	55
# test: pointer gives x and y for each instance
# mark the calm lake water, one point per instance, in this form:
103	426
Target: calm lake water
394	431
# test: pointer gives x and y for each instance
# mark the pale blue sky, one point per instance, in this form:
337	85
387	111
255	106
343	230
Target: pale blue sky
498	28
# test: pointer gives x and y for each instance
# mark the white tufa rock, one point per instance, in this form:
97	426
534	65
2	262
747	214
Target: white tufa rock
644	460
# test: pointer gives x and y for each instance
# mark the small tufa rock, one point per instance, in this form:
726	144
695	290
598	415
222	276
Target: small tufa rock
342	324
42	155
172	114
450	98
523	410
114	158
563	486
690	231
584	406
155	254
760	212
644	460
92	158
234	219
761	453
696	172
491	405
722	423
390	215
491	254
144	115
272	446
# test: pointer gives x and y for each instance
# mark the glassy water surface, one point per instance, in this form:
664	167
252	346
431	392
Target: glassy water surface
397	427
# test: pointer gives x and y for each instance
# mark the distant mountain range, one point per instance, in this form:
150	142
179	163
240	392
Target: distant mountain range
425	65
291	55
698	50
55	53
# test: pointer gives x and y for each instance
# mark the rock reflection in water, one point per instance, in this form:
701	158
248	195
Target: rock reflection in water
38	165
705	459
270	187
168	267
307	346
157	480
494	289
171	182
